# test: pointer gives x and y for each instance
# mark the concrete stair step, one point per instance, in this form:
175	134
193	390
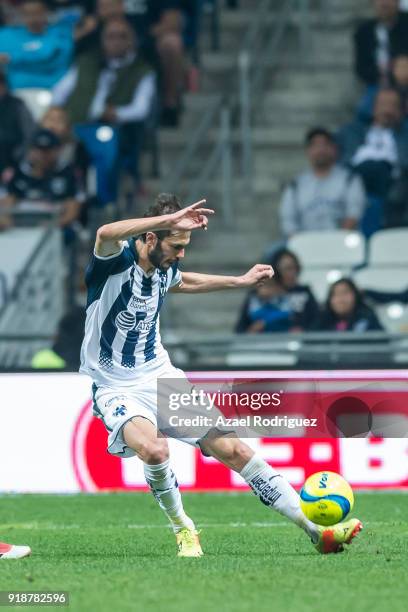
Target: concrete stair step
243	248
218	311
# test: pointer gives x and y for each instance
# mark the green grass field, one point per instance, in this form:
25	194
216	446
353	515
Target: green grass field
114	553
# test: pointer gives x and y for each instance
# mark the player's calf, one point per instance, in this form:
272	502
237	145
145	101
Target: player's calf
268	485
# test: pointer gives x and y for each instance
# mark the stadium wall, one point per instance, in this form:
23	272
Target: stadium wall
50	443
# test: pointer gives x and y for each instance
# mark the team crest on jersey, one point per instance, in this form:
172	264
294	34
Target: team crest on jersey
119	411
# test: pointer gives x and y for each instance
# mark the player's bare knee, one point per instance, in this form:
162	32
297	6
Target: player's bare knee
240	454
230	451
154	452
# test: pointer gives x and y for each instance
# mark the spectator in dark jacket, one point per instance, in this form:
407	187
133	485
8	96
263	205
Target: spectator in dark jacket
377	41
40	184
72	152
16	126
281	304
346	310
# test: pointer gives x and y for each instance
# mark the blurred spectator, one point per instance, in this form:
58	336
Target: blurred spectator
70	10
325	197
377	41
120	91
165	20
89	30
346	310
159	25
36	54
378	153
281	304
40	184
16	126
72	152
400	80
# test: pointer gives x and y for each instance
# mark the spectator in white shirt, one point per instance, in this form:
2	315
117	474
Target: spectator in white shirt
326	196
116	88
113	86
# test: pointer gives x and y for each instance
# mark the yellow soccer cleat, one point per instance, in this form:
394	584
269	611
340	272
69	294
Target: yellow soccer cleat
188	543
332	539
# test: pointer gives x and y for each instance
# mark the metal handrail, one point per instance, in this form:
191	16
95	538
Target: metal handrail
194	143
12	293
229	105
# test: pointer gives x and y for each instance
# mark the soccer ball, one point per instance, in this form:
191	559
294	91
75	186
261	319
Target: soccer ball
326	498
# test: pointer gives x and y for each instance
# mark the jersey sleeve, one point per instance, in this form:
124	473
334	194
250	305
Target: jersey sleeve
101	268
175	275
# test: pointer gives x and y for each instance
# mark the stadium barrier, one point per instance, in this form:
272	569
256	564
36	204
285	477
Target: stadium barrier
51	443
34	292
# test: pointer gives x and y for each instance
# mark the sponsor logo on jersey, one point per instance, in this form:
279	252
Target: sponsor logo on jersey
115	400
141	305
126	321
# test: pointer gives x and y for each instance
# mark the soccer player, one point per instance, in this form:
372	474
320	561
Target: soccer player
11	551
135	263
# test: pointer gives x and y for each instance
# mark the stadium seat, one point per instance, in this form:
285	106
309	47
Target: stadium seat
338	248
382	278
394	317
36	100
389	248
320	279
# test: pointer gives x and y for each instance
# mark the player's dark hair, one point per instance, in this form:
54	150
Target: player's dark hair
318	131
165	204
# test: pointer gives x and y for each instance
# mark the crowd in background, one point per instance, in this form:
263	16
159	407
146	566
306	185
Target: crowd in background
356	179
123	65
119	65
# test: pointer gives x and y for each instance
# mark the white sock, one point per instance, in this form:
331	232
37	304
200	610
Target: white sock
165	489
276	492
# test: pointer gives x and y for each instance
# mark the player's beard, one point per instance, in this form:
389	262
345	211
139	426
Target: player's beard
156	257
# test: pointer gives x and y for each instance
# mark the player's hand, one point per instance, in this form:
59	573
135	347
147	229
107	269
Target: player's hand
4	58
190	218
256	275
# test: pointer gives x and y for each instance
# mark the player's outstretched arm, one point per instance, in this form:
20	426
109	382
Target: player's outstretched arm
192	282
109	237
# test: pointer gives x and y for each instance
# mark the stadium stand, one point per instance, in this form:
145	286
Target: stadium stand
239	140
389	248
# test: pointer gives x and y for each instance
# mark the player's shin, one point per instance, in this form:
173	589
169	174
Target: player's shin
163	484
275	491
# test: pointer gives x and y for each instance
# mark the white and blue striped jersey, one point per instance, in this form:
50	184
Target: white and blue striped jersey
122	341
